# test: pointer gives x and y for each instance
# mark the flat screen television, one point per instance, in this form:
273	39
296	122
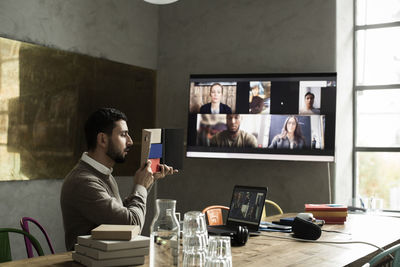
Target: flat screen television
262	116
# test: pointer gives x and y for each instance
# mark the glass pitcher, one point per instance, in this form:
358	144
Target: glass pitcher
164	235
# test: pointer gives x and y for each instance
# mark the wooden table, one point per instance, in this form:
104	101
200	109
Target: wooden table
264	250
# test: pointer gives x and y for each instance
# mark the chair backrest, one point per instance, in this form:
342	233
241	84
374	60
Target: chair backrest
393	250
5	250
272	203
24	225
214	214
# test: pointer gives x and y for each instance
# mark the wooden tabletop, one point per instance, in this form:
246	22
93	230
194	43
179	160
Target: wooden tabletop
265	250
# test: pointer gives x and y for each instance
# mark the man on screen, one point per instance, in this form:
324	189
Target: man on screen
309	108
233	136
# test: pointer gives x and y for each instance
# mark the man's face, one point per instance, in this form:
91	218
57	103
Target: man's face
309	101
119	142
233	122
258	109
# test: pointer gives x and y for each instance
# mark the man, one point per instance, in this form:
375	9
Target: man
309	105
233	136
89	195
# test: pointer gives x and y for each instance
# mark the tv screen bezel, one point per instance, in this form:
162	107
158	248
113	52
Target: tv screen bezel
278	154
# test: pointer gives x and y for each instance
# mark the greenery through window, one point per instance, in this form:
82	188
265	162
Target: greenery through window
377	103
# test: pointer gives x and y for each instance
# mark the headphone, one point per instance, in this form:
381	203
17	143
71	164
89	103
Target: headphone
240	237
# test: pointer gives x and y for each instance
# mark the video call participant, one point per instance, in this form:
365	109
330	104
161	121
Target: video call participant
256	89
256	105
309	105
290	137
233	136
89	194
215	106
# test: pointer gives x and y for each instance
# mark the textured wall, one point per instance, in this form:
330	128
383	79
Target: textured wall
120	30
242	36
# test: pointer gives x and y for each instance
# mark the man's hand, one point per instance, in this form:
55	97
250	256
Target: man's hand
164	170
144	175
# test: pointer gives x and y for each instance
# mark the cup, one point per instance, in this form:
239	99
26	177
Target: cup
194	222
195	239
376	204
194	258
219	252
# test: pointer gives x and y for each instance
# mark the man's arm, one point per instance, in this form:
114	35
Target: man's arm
95	203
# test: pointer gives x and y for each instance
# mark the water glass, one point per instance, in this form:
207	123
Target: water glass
219	252
195	235
194	258
195	239
194	222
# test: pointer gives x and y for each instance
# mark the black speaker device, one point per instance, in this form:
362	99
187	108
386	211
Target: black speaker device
305	229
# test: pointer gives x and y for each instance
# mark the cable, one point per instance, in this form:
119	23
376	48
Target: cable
333	231
327	242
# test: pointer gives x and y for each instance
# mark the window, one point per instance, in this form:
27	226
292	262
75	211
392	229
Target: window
377	103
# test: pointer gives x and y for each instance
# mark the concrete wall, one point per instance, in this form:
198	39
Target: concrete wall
243	36
122	30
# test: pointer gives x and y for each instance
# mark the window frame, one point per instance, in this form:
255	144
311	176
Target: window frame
358	88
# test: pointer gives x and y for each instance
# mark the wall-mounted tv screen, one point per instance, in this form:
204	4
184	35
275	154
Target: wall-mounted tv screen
262	116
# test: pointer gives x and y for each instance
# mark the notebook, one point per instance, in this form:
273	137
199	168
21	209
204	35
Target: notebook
245	209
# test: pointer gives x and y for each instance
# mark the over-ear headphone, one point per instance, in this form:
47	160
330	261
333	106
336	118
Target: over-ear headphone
305	229
240	237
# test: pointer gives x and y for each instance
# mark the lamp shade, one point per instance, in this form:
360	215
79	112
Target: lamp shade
160	2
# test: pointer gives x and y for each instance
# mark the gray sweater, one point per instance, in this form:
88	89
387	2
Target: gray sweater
90	198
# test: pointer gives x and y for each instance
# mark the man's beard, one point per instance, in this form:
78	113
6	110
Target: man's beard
232	131
114	154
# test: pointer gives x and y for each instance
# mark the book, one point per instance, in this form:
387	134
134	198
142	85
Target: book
325	207
115	232
111	245
329	213
87	261
332	219
102	255
146	144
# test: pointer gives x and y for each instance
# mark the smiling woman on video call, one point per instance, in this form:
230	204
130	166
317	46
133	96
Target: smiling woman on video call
290	137
215	106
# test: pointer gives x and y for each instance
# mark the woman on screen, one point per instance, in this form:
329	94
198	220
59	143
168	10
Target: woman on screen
290	137
215	106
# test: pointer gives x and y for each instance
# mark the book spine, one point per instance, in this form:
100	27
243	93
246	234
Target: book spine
332	219
329	213
323	208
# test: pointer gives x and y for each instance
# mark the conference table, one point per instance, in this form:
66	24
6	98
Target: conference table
268	249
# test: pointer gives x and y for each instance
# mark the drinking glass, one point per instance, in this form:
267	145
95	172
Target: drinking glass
195	239
194	258
219	252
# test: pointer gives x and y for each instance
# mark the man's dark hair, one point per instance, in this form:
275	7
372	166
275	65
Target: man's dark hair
309	93
101	121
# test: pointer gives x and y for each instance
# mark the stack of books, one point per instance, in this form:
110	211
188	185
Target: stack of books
330	213
99	250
